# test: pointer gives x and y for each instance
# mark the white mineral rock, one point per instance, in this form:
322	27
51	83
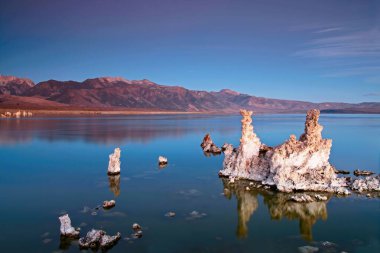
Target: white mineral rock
162	160
66	229
114	163
17	114
294	165
109	204
98	238
371	183
208	145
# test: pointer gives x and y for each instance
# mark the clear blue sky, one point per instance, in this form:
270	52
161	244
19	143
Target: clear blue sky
305	50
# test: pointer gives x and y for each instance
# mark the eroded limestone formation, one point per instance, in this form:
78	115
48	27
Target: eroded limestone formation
301	164
209	146
66	229
114	162
371	183
98	239
162	161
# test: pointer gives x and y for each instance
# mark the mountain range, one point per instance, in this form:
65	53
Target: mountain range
116	93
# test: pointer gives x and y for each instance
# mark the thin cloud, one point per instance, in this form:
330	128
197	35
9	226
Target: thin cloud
356	71
327	30
372	94
355	44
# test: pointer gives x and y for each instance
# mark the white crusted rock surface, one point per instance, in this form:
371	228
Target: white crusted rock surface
294	165
114	162
66	229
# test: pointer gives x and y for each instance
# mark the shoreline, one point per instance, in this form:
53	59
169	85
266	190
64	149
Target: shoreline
100	112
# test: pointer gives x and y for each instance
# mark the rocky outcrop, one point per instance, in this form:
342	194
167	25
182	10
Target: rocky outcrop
98	239
301	164
363	173
107	204
162	161
366	184
209	146
66	229
114	162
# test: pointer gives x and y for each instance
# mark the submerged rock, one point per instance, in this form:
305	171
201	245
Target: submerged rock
208	145
363	173
136	226
301	164
308	249
66	229
114	162
98	238
371	183
109	204
138	231
170	214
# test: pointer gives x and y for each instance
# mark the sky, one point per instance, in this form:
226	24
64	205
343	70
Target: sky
318	51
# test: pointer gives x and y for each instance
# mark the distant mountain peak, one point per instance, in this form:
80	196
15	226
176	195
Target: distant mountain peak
228	91
109	79
4	80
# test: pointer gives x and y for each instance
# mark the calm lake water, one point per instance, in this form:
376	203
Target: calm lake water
51	166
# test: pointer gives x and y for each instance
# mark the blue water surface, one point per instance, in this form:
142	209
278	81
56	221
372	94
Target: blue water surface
51	166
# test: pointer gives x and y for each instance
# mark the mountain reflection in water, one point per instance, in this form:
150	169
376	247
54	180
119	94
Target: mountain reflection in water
105	130
279	207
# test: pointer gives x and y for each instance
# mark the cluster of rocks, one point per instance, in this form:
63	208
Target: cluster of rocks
17	114
295	165
209	146
94	239
366	184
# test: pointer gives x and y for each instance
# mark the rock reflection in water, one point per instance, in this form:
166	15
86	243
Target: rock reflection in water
279	207
114	184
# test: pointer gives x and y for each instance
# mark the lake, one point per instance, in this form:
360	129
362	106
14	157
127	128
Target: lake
52	166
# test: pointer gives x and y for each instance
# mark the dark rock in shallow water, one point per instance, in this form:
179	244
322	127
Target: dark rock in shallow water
98	239
363	173
208	145
344	172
